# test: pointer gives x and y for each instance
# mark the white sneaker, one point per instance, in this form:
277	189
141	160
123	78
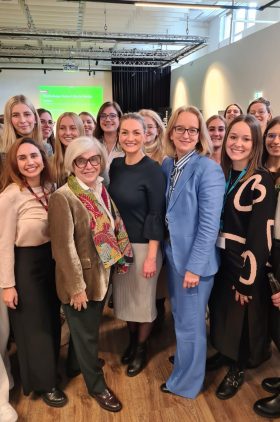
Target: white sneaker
8	413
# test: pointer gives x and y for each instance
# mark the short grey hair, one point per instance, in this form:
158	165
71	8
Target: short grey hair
81	145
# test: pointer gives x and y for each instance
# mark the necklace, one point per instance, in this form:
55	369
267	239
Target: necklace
44	205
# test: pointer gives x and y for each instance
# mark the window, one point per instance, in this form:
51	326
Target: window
242	20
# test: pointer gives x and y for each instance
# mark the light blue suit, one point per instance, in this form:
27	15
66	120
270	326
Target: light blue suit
193	217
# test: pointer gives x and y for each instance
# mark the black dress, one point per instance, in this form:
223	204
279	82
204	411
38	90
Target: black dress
139	193
241	332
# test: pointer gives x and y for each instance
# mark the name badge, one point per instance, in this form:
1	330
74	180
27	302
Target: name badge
221	242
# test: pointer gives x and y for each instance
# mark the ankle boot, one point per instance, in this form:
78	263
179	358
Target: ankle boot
139	361
231	383
269	407
129	352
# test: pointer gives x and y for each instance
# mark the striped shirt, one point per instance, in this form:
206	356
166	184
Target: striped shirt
178	167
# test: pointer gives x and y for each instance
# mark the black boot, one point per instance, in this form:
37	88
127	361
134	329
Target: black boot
268	407
139	361
272	385
231	383
129	352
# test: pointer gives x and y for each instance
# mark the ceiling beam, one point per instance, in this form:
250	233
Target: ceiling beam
93	36
184	5
269	4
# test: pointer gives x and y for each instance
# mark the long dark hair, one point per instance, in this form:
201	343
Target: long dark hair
51	139
11	173
257	148
233	104
98	132
273	122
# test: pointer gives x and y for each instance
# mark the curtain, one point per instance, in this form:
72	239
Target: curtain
141	87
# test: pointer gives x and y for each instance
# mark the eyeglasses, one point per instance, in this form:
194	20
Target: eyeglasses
192	131
81	162
47	122
260	112
272	136
111	116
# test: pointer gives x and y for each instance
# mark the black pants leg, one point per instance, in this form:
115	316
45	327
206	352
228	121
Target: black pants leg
84	330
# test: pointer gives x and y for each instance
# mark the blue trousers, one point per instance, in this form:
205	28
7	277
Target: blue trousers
189	309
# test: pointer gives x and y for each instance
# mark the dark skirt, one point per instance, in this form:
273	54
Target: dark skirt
230	322
36	320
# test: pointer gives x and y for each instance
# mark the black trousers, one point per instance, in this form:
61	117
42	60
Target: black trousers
83	345
36	319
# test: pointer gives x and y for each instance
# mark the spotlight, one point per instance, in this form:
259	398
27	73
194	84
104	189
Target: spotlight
89	73
45	72
42	61
96	63
176	60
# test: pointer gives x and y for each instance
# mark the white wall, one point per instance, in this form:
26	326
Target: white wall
231	74
27	82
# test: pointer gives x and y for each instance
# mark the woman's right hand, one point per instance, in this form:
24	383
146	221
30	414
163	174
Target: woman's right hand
79	300
10	297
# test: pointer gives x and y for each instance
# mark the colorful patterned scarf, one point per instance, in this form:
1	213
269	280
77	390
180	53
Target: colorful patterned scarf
113	247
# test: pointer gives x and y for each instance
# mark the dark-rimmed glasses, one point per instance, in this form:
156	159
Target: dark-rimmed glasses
272	136
111	116
81	162
46	122
180	130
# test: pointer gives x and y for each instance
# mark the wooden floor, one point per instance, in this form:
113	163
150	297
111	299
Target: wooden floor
142	400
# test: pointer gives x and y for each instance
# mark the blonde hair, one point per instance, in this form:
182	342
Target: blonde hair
203	146
9	134
59	170
157	153
214	117
81	145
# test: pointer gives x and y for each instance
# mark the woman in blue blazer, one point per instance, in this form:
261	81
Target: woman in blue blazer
195	189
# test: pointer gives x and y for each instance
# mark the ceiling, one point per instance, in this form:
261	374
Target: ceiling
97	35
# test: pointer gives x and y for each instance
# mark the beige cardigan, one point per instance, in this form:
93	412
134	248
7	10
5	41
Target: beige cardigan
78	266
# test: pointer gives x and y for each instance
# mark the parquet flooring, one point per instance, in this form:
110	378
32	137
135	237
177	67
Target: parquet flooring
142	400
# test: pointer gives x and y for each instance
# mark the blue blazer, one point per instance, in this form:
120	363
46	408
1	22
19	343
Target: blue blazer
193	215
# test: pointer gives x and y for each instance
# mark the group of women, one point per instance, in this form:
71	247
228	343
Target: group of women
108	201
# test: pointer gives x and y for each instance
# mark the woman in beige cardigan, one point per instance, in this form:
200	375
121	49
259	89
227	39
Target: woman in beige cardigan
27	269
88	240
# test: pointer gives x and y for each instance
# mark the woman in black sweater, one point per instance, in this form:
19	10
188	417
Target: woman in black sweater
137	186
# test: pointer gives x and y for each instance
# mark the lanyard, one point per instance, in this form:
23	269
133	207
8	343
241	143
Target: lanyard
229	188
37	197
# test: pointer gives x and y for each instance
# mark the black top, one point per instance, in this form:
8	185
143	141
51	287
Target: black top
138	190
247	225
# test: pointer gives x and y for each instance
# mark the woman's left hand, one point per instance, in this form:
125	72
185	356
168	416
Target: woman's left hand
190	280
149	267
242	298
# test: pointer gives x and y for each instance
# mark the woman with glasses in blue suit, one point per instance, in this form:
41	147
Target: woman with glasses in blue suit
194	196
